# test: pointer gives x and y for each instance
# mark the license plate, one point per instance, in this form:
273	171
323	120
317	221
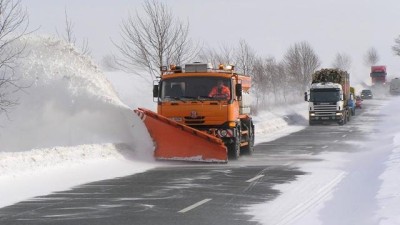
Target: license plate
325	118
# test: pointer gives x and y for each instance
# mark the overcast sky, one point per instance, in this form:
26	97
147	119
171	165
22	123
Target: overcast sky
269	27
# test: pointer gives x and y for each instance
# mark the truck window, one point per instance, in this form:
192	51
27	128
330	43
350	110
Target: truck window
190	88
331	95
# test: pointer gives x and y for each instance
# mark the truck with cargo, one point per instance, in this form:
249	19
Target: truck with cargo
193	122
328	97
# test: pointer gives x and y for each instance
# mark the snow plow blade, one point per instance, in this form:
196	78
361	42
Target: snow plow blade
175	141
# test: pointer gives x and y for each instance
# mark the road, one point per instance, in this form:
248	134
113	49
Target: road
187	193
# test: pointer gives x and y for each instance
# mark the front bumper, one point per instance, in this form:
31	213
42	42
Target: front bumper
331	117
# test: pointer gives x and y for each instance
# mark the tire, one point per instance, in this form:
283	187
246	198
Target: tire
234	147
249	149
311	122
342	122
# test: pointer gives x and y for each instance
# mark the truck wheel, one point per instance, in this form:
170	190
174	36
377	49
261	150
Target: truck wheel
249	149
234	147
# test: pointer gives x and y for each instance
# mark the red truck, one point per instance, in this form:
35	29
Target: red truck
378	75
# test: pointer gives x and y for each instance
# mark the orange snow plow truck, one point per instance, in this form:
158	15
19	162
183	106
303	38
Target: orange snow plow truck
203	114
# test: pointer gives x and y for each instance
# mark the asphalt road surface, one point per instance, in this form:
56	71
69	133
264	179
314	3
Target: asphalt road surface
187	193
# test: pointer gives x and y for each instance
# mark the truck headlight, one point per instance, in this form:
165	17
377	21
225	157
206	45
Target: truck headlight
338	114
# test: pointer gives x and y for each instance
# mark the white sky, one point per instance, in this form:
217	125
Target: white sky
270	27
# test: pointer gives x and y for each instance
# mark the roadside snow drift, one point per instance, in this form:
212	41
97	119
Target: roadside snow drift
69	102
70	120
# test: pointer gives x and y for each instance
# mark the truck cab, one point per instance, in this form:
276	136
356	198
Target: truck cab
378	75
325	103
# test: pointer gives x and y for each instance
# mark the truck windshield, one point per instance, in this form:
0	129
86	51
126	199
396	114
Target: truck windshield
325	95
195	88
378	74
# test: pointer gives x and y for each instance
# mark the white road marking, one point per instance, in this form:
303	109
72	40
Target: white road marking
194	205
254	178
344	135
325	146
335	141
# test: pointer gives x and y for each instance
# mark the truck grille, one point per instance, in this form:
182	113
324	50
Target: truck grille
197	120
325	110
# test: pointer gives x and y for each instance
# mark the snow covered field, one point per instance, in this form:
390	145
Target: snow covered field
75	125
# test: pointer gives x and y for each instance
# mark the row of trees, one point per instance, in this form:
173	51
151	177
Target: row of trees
156	38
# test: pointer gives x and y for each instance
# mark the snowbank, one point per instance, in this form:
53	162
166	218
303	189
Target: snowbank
68	102
280	121
69	128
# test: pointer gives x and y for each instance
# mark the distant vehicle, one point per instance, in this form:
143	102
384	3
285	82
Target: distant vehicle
352	101
366	94
395	86
358	102
378	75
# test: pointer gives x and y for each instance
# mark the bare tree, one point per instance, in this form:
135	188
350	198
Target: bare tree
154	40
225	54
260	81
209	55
396	46
13	25
342	61
300	62
108	63
70	37
371	57
245	57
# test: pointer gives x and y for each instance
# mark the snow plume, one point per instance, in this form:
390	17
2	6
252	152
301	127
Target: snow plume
68	102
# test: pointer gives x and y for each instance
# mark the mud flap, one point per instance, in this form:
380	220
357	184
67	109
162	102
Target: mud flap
175	141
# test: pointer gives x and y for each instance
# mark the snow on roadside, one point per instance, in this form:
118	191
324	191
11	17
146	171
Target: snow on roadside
307	193
388	196
389	193
280	121
69	128
42	171
68	102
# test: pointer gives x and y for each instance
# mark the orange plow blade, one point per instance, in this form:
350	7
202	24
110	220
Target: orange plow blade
175	141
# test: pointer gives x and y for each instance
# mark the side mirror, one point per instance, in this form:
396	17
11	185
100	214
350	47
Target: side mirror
155	91
305	96
239	90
